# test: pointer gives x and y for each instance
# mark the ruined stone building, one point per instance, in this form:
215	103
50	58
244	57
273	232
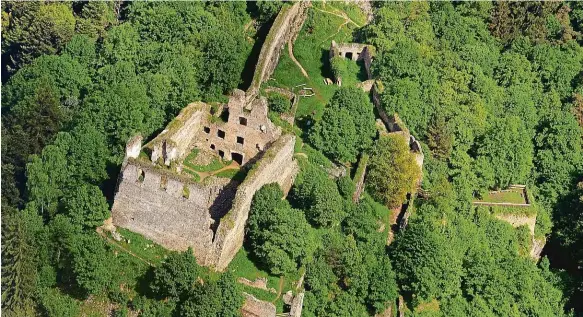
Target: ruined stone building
158	200
354	51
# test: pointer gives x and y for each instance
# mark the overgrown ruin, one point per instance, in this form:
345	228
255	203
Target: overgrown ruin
158	200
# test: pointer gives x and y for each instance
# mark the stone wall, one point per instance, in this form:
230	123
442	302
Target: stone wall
247	132
286	27
276	166
254	307
297	305
173	143
164	207
354	51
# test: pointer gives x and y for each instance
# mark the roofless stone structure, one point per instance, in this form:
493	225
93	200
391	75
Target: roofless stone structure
156	199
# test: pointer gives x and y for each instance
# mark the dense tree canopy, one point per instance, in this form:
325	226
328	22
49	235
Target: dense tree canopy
393	171
280	236
347	126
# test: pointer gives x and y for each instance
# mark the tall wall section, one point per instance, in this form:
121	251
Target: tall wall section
286	27
164	207
276	166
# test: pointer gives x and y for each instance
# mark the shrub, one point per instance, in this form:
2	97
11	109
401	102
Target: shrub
279	103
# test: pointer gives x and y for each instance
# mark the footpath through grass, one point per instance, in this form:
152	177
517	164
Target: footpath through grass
311	49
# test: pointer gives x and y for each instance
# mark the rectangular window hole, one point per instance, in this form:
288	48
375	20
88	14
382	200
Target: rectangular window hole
242	121
221	134
240	140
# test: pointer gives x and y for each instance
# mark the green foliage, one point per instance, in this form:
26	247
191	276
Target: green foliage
55	304
20	230
268	9
347	126
213	298
392	170
318	196
176	276
35	29
505	155
86	206
279	103
345	187
339	280
280	236
338	66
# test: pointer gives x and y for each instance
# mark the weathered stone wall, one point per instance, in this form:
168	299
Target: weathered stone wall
152	202
354	51
173	143
276	166
254	307
297	305
286	26
252	127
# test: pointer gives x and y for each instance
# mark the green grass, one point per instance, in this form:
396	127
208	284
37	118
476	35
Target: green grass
215	165
311	50
512	196
235	174
192	155
194	174
513	210
243	266
143	247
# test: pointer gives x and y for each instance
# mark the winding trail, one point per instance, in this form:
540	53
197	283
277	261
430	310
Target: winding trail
290	51
279	289
343	15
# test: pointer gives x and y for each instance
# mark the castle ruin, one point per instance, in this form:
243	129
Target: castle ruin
158	200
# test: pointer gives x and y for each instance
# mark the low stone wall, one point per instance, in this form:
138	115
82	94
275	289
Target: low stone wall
164	207
276	166
254	307
519	220
286	27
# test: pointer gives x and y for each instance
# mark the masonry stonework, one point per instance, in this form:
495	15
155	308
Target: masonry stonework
155	199
286	27
276	166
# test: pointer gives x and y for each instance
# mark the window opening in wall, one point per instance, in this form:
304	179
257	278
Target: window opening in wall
221	153
237	158
348	55
221	134
242	121
141	175
225	115
212	146
207	130
240	140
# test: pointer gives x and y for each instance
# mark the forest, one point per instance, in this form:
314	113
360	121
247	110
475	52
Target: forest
492	90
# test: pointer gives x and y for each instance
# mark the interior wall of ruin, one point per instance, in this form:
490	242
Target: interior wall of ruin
276	166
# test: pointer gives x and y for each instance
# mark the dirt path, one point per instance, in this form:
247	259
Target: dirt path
108	239
279	289
290	51
343	15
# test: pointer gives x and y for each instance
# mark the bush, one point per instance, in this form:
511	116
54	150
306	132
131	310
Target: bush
279	103
176	275
346	187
